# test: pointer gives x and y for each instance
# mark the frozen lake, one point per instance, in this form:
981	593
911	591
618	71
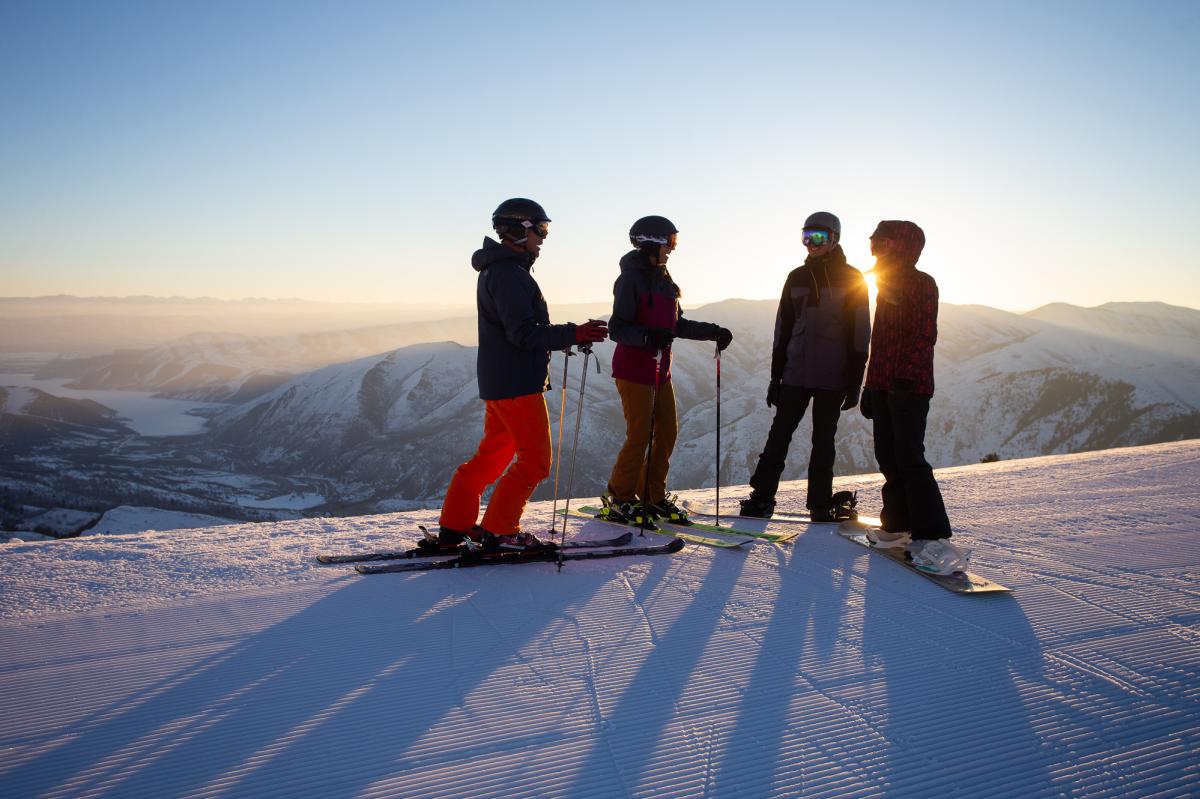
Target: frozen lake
146	414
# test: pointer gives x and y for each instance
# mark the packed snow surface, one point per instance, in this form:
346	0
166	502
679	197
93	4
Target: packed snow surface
225	663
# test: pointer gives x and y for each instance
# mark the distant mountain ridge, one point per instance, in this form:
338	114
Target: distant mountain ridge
384	431
1051	381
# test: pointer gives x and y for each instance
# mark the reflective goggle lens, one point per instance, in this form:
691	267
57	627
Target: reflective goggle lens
665	241
815	238
540	228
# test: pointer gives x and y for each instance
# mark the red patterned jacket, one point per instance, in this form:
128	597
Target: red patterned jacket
904	332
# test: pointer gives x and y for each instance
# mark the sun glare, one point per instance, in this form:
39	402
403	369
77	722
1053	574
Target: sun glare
872	289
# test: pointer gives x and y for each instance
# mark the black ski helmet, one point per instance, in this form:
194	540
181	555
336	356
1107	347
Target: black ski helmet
509	216
650	231
825	221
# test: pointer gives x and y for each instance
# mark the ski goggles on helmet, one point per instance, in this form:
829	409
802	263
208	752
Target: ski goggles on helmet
541	228
816	237
668	241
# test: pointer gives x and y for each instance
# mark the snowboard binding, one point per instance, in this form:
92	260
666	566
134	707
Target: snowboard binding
844	506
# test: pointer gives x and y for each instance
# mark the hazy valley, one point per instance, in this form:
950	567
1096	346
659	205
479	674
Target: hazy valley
375	418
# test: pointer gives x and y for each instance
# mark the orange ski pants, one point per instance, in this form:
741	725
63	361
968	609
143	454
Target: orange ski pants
519	426
628	478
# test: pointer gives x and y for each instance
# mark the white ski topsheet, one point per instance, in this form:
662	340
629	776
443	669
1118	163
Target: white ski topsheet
226	663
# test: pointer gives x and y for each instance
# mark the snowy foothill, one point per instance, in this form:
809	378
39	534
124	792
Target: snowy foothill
223	662
126	519
144	413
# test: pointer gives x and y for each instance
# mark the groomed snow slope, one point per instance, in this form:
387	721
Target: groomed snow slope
223	662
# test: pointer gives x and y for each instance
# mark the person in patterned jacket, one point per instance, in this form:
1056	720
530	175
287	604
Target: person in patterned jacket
899	387
646	318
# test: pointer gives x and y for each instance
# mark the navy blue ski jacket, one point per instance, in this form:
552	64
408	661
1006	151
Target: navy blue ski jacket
515	334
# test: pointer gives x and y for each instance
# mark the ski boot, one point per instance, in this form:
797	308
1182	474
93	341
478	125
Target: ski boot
628	512
821	515
666	510
447	541
515	542
756	508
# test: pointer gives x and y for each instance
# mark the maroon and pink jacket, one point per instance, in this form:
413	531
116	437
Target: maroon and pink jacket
905	331
644	297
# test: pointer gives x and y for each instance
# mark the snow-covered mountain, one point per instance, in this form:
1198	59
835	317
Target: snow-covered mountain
127	519
384	426
1055	380
30	417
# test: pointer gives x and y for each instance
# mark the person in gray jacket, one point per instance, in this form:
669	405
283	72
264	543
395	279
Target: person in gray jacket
822	331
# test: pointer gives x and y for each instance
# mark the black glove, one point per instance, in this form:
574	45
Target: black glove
723	338
773	393
851	399
865	405
659	338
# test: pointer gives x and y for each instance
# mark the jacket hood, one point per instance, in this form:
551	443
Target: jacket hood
493	251
908	238
634	261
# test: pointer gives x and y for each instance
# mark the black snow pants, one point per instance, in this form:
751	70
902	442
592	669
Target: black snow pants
912	501
793	402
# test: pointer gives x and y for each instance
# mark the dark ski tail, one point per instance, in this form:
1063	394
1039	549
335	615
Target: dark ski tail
470	560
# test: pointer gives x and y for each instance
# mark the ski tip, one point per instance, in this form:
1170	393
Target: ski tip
675	544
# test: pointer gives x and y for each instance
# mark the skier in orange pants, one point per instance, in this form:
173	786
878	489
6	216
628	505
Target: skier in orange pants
515	342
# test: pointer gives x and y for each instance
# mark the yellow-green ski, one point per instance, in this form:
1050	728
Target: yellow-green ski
675	531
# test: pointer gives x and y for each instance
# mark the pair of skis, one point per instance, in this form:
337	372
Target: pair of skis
696	532
424	559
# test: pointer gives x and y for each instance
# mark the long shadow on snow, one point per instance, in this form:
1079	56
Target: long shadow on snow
630	732
322	703
944	695
797	652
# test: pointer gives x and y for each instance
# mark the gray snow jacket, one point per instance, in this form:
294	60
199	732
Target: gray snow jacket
823	326
515	334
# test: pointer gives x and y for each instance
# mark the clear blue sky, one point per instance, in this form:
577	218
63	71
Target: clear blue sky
354	151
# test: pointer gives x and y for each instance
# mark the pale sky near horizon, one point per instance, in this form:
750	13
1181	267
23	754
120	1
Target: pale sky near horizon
354	151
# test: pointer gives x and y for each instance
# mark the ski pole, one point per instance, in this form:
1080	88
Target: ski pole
650	445
587	353
567	353
718	508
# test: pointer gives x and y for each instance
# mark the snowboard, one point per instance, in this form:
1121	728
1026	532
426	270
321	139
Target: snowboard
959	582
